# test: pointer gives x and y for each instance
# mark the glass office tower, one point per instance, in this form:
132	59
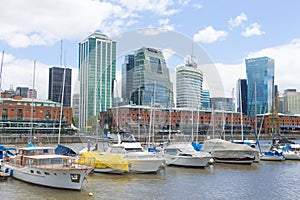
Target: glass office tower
97	72
260	77
151	84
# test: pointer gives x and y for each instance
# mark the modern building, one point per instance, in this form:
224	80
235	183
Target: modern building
32	94
60	81
242	94
151	84
189	80
291	101
223	103
260	77
205	100
97	72
127	77
22	91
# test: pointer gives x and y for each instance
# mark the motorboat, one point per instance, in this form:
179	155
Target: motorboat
227	152
41	166
105	163
140	161
291	151
272	155
184	154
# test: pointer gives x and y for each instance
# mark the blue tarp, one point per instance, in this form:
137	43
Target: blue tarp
197	147
63	150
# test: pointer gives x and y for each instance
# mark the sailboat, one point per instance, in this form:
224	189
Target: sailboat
41	166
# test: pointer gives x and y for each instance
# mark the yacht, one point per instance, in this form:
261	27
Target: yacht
41	166
140	161
184	154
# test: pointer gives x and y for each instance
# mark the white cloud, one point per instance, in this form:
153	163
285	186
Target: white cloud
237	21
197	6
29	23
253	29
164	24
209	35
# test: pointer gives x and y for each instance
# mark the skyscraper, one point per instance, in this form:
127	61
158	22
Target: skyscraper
127	77
189	81
260	77
242	95
57	75
97	72
151	84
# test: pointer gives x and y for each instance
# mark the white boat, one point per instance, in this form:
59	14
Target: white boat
291	152
140	161
226	152
272	155
41	166
184	154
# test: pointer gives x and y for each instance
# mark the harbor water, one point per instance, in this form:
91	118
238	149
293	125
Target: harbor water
264	180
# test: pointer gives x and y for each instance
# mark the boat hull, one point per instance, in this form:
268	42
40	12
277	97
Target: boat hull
187	161
145	165
60	178
246	160
291	156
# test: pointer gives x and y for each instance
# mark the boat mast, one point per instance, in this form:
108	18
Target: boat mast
61	104
31	118
241	112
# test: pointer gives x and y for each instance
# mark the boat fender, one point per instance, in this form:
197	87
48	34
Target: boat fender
11	173
296	152
91	194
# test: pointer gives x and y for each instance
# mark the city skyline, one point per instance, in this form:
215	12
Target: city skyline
233	33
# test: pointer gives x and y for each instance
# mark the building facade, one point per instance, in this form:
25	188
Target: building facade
97	72
291	101
205	100
223	103
242	94
189	80
260	77
151	84
127	78
22	91
60	79
21	115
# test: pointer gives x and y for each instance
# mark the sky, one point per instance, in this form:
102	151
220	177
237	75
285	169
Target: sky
226	31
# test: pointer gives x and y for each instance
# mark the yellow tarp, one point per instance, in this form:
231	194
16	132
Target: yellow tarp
103	161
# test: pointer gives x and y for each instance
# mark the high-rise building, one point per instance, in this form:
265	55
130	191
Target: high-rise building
127	77
60	79
151	84
205	99
22	91
97	72
260	77
189	81
242	95
291	101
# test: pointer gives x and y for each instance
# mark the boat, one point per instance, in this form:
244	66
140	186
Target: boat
106	163
291	151
140	161
5	152
272	155
227	152
41	166
184	154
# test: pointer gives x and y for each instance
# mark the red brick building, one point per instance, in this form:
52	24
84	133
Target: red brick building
19	115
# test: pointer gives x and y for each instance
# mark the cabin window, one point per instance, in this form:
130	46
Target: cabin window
31	171
46	173
38	172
